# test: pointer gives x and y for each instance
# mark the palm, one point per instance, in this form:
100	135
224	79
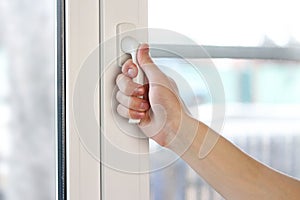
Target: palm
165	113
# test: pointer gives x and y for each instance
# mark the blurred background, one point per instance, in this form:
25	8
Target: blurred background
27	137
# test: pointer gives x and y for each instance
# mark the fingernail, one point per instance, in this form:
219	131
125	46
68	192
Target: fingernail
144	46
130	72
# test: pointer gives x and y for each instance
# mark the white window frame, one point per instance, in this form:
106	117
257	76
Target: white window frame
81	27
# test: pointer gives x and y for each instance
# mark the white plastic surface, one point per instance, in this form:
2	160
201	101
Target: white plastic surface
123	177
88	177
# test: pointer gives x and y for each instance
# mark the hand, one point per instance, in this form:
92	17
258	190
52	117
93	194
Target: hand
160	111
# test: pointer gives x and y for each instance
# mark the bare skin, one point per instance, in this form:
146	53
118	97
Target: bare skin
231	172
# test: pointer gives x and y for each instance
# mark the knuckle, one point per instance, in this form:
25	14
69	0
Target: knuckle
128	62
128	88
119	78
126	65
119	108
118	96
122	111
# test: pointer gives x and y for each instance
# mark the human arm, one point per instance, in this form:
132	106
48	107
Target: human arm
232	173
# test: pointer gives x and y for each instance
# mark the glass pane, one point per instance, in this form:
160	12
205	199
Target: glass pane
27	133
231	22
262	118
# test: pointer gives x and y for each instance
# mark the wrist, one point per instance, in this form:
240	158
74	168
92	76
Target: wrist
182	137
194	138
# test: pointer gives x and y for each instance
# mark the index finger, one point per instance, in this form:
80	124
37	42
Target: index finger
129	69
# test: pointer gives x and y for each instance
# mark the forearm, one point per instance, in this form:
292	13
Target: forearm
234	174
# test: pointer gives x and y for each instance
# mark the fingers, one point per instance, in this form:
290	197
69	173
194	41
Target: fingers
132	102
152	72
128	87
128	113
130	69
143	55
132	107
124	80
129	95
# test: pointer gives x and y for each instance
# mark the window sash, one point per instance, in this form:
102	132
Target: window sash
81	27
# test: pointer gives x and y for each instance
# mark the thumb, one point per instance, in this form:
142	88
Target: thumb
143	55
146	63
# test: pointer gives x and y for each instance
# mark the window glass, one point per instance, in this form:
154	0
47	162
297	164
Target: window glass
231	22
27	133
